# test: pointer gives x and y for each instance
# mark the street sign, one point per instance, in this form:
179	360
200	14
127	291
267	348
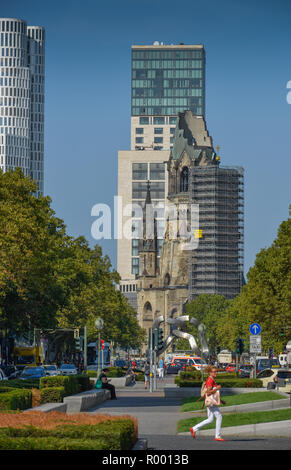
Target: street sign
99	323
255	344
255	329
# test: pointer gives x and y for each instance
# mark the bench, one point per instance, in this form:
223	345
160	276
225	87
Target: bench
85	400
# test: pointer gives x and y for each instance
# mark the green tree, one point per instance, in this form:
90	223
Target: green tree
266	297
31	238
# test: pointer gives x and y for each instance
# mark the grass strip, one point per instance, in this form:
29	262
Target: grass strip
191	403
238	419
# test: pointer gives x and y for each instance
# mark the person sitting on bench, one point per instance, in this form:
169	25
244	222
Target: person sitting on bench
106	384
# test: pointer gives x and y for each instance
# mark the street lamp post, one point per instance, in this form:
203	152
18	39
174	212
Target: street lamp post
99	325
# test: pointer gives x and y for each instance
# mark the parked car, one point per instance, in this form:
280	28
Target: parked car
265	363
173	368
195	362
11	372
230	367
51	369
119	363
33	372
267	376
68	369
3	375
245	370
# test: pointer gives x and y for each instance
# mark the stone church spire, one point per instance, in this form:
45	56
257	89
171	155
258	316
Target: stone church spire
148	242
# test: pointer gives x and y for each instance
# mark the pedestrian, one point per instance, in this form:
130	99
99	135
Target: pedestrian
106	385
212	401
131	372
147	372
161	369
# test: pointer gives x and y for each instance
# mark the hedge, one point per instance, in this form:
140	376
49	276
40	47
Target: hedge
113	372
69	382
225	383
15	399
108	435
52	395
18	383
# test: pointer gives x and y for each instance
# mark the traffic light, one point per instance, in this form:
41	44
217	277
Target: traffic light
158	339
102	343
239	345
218	349
76	333
271	352
282	331
78	344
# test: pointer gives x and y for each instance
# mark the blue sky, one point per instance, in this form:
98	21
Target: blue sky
87	101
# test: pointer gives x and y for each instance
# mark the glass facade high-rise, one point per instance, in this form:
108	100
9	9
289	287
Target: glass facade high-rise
22	98
165	80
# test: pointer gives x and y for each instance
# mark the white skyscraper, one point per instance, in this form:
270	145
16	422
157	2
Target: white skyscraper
22	98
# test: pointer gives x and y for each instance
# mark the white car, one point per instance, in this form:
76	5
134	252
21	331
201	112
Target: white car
51	369
68	369
267	375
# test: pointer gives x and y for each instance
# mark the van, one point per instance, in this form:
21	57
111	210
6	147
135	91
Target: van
189	361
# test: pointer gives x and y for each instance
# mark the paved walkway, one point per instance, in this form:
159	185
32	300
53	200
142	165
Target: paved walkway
158	417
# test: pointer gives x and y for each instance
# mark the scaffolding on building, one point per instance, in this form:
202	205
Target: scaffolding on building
216	265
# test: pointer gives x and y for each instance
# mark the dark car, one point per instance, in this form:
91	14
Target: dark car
120	363
11	372
32	373
173	368
245	370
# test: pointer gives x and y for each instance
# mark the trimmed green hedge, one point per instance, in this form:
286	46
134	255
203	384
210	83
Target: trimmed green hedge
69	382
18	383
54	388
52	395
225	383
15	399
113	372
108	435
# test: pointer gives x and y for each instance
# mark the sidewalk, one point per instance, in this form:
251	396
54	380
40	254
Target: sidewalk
158	416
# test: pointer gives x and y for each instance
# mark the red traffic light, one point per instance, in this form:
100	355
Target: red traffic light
102	343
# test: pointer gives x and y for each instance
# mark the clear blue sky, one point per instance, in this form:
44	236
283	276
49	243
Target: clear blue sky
87	101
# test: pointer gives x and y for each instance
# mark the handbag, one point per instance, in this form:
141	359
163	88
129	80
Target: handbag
213	400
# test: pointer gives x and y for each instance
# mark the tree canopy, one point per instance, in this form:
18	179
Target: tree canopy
49	279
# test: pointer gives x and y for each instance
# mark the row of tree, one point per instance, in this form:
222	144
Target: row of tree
264	299
49	279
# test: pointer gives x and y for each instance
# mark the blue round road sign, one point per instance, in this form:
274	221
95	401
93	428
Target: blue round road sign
255	329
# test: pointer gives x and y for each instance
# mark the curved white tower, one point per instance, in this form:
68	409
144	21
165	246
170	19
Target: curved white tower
22	98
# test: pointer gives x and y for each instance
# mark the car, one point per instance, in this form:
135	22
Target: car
266	363
120	363
173	368
267	376
230	367
11	372
51	369
187	361
3	375
33	372
245	370
68	369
